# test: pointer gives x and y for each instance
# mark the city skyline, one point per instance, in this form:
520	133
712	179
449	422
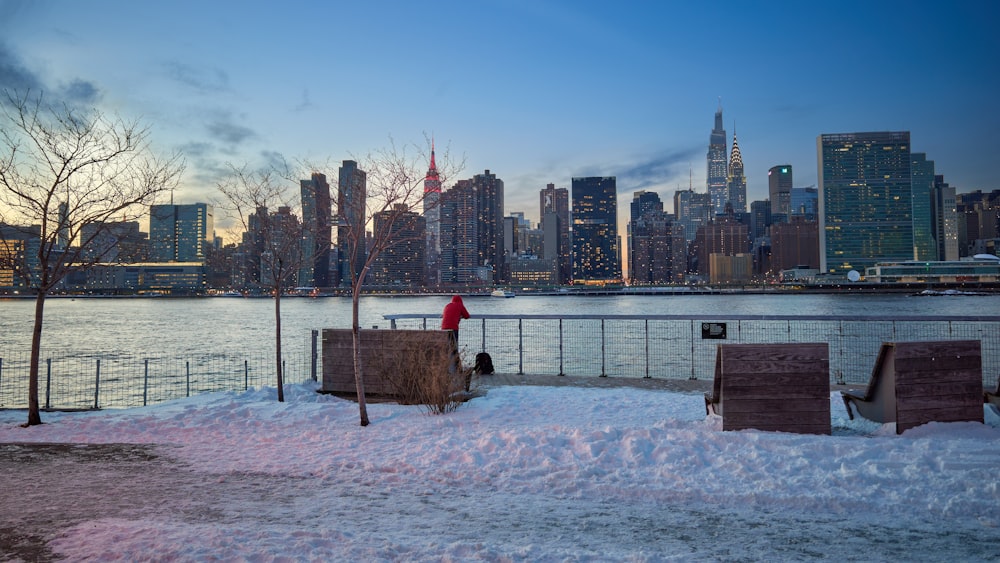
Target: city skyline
552	91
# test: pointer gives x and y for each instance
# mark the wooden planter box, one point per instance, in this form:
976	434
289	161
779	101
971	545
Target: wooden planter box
380	349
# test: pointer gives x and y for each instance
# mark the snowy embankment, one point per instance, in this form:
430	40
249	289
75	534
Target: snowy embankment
539	473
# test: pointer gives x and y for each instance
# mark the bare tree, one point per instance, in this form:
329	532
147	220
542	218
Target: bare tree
65	173
394	188
262	204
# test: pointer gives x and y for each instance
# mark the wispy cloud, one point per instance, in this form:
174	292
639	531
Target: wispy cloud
202	80
226	130
305	103
80	91
656	170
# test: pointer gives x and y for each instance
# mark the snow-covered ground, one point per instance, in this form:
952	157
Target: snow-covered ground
521	473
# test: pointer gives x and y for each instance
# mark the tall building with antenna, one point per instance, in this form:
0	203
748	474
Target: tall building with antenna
432	218
736	181
717	168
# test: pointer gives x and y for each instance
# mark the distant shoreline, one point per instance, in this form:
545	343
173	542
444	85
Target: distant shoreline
917	289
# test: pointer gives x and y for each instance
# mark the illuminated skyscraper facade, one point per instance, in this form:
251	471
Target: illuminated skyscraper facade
736	181
472	231
717	168
401	264
180	233
596	254
865	200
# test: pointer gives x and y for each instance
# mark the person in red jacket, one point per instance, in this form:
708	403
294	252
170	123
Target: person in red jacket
453	314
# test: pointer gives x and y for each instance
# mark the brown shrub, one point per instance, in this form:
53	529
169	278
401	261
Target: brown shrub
423	375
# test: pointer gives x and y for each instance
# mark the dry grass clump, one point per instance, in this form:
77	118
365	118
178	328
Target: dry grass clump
424	375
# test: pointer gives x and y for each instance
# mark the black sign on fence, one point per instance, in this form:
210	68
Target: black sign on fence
713	331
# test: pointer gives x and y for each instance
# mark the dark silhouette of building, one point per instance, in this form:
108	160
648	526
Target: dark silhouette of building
317	228
352	188
779	189
116	241
657	248
554	215
794	244
725	236
946	219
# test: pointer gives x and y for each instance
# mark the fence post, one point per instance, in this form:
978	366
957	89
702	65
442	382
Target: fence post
520	348
561	372
246	375
97	385
647	348
483	349
603	374
840	353
187	376
315	335
48	381
145	381
693	377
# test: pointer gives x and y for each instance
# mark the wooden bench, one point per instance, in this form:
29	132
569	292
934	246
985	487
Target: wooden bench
776	387
913	383
381	351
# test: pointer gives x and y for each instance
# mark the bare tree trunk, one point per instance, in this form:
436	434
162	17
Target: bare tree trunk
34	417
359	378
277	345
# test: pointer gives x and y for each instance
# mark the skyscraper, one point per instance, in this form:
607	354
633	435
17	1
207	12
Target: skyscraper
779	189
180	233
736	181
946	219
922	196
472	231
645	205
717	169
488	190
596	255
459	235
432	218
692	210
316	231
352	186
402	263
805	202
555	201
865	200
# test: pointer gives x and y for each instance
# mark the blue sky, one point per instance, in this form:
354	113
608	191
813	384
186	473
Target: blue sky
534	91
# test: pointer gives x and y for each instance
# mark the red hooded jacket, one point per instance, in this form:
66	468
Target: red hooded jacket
453	313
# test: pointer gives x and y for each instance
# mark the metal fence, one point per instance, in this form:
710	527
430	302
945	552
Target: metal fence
656	346
69	381
683	346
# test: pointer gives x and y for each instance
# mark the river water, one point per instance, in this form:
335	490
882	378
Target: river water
177	324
